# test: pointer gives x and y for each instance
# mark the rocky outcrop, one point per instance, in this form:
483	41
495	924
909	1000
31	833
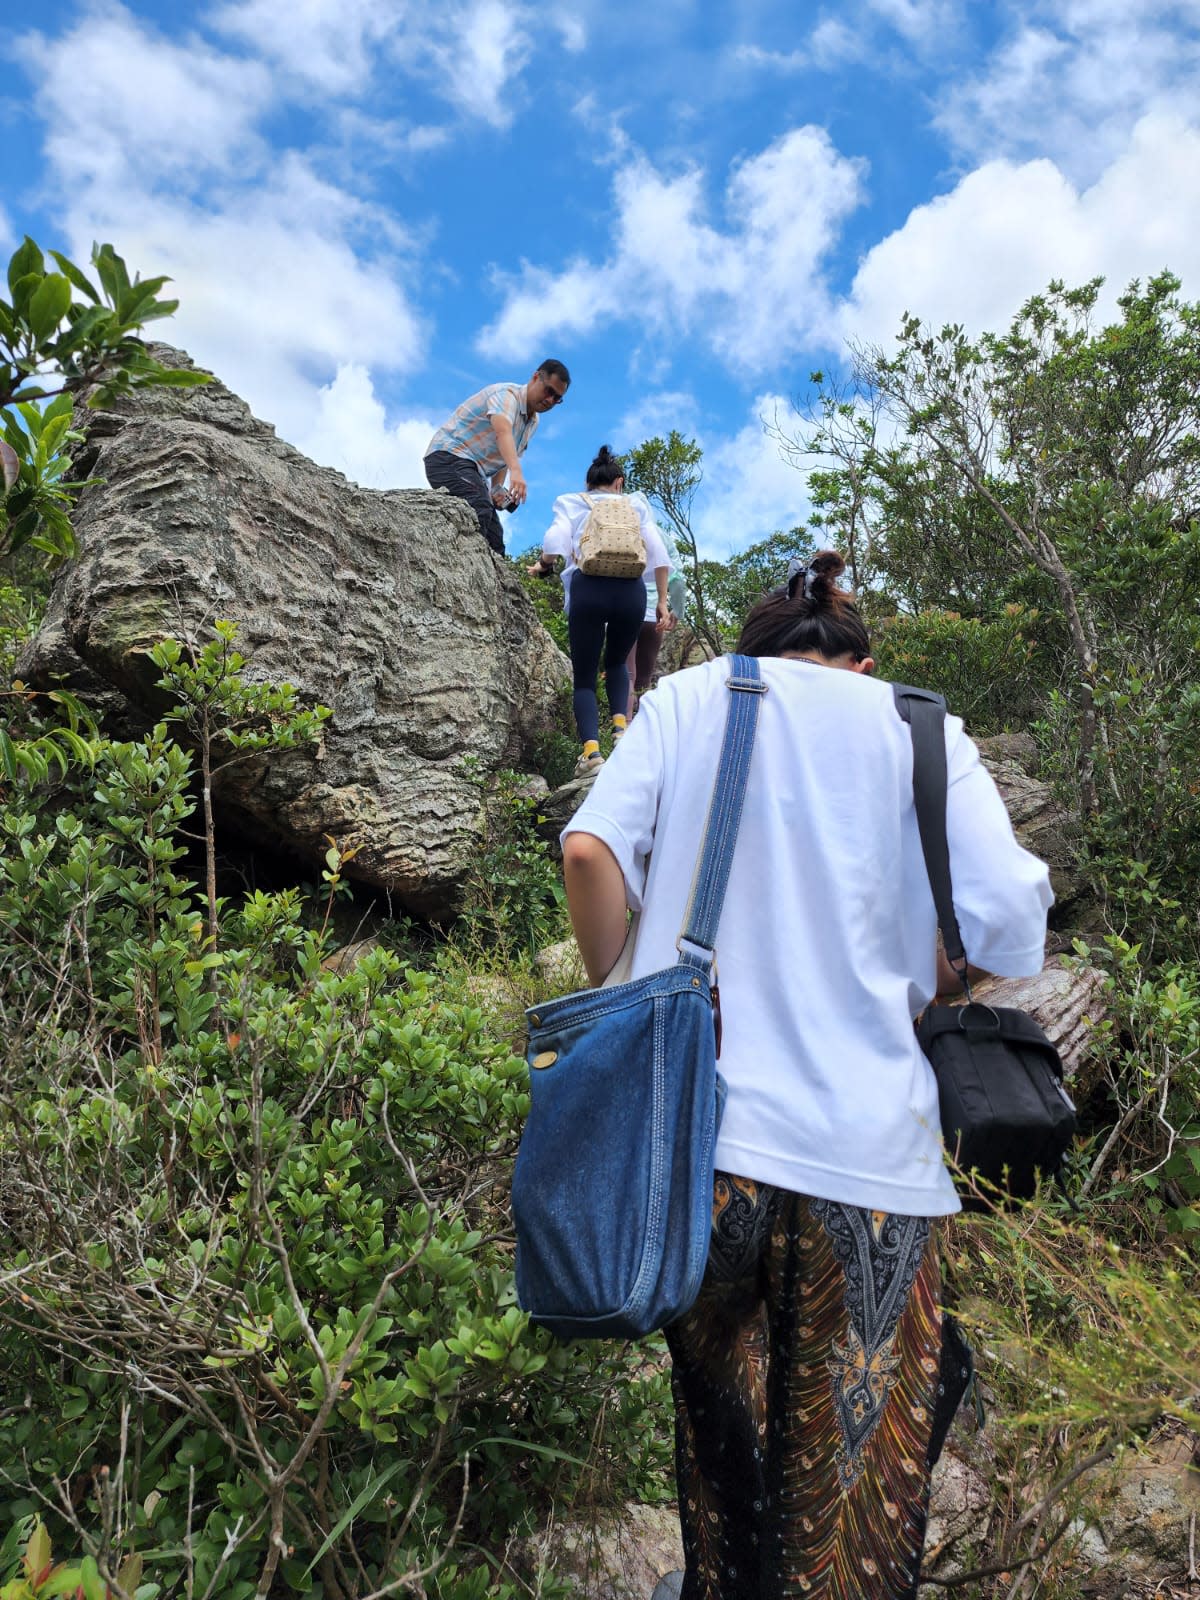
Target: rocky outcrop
1066	1000
1040	823
386	606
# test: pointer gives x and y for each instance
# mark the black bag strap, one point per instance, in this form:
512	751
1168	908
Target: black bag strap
925	713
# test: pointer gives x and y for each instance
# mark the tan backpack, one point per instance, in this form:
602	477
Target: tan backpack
611	543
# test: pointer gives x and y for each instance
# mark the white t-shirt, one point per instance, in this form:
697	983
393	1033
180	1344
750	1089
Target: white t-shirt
826	946
571	511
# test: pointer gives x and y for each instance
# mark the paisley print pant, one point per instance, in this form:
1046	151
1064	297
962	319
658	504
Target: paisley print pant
806	1381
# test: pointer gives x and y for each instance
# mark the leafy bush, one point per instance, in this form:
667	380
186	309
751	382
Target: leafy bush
986	669
258	1322
514	900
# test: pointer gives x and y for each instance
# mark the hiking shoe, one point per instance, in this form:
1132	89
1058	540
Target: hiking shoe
588	766
668	1586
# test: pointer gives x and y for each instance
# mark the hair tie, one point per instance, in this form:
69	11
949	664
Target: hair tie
798	568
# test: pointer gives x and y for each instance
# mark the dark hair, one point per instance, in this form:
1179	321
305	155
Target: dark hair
554	369
605	470
810	614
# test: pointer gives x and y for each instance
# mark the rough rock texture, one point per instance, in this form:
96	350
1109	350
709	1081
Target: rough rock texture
618	1557
1065	1002
387	606
1145	1530
1039	822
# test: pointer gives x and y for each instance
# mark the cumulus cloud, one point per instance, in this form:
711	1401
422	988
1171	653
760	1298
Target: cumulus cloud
469	52
1073	77
857	31
974	254
752	289
749	491
350	430
282	276
123	105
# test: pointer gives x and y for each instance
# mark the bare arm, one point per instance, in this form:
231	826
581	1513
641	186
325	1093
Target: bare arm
949	984
661	574
502	428
596	901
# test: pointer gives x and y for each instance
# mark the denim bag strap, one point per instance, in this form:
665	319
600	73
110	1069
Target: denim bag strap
715	859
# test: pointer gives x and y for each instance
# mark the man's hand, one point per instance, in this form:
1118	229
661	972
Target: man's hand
501	498
517	489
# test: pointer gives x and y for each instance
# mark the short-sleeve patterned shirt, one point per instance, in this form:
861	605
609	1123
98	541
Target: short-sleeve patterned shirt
469	431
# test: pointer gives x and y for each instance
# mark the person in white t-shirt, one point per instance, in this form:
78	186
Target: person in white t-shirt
603	614
806	1377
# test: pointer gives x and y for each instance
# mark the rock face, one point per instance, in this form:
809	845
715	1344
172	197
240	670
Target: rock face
1040	824
386	606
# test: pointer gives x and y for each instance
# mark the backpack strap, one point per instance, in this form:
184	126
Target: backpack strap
925	713
711	876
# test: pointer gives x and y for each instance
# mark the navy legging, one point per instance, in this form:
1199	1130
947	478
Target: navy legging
605	614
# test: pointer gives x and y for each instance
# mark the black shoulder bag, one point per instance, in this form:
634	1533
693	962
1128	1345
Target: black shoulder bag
1005	1113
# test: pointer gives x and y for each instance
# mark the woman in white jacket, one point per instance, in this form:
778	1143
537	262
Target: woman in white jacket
604	615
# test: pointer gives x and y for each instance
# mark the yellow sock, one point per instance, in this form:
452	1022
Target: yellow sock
619	722
591	747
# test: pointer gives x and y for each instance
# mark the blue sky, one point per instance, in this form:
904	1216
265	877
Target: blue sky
370	208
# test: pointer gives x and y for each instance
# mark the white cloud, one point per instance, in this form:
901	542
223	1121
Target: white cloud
1073	78
475	59
753	55
572	30
330	46
273	294
749	490
752	290
974	254
282	276
350	431
919	21
122	104
858	32
655	415
469	52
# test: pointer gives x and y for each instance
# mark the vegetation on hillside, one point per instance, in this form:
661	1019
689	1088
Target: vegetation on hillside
258	1333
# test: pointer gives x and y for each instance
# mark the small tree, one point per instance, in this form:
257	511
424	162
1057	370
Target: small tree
228	719
668	472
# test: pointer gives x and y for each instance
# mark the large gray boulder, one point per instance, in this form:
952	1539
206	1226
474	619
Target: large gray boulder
386	606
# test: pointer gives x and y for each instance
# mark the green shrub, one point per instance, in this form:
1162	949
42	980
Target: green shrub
257	1320
986	669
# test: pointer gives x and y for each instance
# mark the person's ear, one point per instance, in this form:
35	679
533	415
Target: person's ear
867	664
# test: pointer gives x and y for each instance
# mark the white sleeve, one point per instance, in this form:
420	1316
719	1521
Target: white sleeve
1001	891
557	538
622	806
656	550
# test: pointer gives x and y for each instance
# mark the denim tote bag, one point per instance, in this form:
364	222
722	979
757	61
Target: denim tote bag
612	1189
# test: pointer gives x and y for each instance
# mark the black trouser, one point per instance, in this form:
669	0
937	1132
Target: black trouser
462	477
605	614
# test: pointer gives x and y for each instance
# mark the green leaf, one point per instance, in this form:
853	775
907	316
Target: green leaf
111	271
8	757
26	259
364	1497
177	378
49	305
69	270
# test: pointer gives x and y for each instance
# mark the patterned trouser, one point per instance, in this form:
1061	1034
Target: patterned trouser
806	1381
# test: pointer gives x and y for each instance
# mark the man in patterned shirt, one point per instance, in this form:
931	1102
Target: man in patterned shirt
484	440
